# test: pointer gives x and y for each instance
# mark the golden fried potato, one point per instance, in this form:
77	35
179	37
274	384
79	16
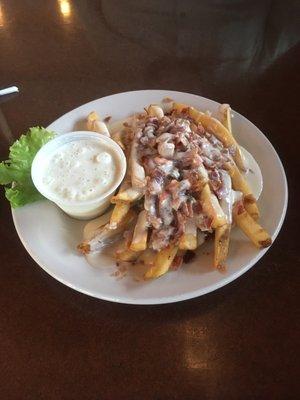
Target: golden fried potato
162	262
259	237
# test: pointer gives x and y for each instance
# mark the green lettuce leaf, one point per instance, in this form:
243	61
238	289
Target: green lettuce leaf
16	171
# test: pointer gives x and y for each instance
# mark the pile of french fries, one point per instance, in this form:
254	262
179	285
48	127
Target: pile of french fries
125	215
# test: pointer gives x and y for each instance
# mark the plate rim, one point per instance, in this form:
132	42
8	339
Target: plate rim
181	297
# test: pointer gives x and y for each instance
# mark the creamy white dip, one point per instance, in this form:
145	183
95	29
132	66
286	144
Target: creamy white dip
81	170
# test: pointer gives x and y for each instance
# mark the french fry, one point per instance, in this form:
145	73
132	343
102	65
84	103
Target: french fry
94	124
123	253
127	255
188	240
119	212
215	127
140	234
259	237
118	126
239	183
211	207
121	208
227	119
227	123
222	237
212	215
127	196
105	235
118	137
162	262
147	257
118	131
94	226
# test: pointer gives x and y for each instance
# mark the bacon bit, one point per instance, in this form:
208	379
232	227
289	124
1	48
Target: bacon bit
172	186
126	124
194	127
200	129
185	110
209	222
83	248
240	208
197	207
215	182
180	221
163	196
194	179
190	158
189	256
107	119
160	160
184	209
144	160
157	174
151	142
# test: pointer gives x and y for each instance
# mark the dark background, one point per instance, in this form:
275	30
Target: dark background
240	342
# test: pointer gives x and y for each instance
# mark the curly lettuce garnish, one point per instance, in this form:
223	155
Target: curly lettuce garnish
15	173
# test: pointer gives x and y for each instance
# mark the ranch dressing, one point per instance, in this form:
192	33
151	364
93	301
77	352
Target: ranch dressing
81	170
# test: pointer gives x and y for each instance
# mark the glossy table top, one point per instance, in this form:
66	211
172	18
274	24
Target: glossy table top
238	342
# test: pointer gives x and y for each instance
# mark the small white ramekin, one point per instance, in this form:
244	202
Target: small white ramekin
78	209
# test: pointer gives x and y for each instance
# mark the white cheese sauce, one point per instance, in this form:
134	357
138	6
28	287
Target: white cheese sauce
81	170
253	175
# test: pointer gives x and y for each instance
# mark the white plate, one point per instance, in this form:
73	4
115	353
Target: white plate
50	236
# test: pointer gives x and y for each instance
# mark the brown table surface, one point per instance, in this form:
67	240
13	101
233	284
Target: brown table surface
239	342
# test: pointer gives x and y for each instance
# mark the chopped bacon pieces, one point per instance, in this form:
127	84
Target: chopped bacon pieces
177	155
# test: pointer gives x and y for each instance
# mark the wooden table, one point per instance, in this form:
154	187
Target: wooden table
236	343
